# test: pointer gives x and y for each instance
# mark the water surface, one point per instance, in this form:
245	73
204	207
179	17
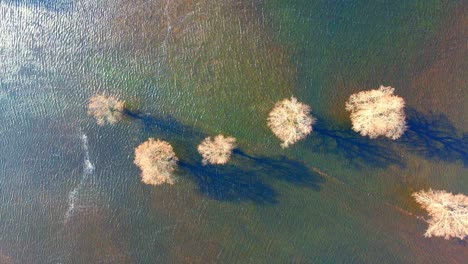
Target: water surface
69	192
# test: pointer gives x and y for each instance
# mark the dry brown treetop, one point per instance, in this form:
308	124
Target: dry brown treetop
290	121
377	112
157	161
217	150
105	109
448	212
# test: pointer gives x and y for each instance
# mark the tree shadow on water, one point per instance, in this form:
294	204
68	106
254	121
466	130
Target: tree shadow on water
229	183
433	136
284	169
250	178
165	125
244	178
358	150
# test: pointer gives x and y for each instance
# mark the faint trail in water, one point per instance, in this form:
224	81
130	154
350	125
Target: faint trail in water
168	28
370	195
88	169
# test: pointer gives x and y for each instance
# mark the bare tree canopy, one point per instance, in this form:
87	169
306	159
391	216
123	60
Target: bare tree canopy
448	212
290	121
105	109
217	150
377	113
157	161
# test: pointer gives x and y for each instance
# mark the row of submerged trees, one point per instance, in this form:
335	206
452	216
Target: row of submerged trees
373	113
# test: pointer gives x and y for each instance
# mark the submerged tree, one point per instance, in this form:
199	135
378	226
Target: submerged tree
377	112
157	161
290	121
449	213
105	109
217	150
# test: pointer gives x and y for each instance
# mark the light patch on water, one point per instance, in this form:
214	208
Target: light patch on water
27	33
88	170
42	53
169	25
88	166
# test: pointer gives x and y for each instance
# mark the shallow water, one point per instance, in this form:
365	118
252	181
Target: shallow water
70	193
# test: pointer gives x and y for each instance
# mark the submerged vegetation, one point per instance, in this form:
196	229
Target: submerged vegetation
157	161
106	109
217	150
290	121
448	212
377	112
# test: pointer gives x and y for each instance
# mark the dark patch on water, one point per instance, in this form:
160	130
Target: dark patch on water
285	169
462	242
230	183
249	179
433	136
165	125
358	150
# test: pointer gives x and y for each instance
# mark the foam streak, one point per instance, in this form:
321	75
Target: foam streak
88	169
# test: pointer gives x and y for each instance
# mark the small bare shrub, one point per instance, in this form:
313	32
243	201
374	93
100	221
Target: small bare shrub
290	121
157	162
218	150
105	109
